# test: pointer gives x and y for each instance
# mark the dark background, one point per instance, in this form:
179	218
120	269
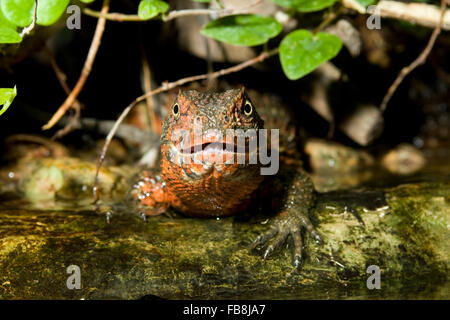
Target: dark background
115	79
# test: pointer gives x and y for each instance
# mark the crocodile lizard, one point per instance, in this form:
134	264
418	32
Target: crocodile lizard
196	178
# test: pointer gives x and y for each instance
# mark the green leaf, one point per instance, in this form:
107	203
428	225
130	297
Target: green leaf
5	22
287	3
9	35
305	5
366	3
6	97
151	8
301	52
87	1
243	30
49	11
314	5
18	12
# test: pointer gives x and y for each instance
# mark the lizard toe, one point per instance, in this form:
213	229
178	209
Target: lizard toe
297	249
277	241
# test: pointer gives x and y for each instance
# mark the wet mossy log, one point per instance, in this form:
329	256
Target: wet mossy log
180	257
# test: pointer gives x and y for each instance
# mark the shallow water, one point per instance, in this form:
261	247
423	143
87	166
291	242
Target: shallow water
176	257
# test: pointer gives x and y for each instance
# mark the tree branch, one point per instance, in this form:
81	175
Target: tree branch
116	16
113	16
85	72
417	62
147	80
424	14
61	76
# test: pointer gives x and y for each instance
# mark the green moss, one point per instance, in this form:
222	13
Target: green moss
195	258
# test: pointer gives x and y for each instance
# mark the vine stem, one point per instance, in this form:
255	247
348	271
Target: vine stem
417	62
95	44
165	87
61	76
28	29
121	17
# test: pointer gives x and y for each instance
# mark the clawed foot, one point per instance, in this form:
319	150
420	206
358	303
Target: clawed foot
280	231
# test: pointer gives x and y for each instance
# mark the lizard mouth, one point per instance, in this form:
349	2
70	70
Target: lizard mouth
210	158
211	147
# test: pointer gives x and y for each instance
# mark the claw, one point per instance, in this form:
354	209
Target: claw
268	252
277	242
108	217
256	242
263	238
298	262
357	216
297	243
281	229
312	231
317	237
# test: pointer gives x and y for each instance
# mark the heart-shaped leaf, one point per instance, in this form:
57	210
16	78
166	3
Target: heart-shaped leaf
301	52
7	96
243	30
314	5
5	22
305	5
9	35
151	8
49	11
20	12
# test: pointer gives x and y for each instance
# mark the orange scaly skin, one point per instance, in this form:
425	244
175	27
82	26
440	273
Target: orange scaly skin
194	182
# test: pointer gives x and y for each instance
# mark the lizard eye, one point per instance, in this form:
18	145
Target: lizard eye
248	108
176	110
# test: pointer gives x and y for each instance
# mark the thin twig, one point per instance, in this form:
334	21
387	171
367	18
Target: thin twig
147	79
332	15
168	86
28	29
113	16
212	12
61	76
417	62
196	12
121	17
72	124
85	72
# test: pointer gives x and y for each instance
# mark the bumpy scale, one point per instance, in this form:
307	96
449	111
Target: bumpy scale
196	177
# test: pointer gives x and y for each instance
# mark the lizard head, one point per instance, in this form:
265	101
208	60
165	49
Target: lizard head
210	133
206	144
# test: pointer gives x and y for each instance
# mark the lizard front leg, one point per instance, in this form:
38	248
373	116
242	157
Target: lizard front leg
150	193
298	199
